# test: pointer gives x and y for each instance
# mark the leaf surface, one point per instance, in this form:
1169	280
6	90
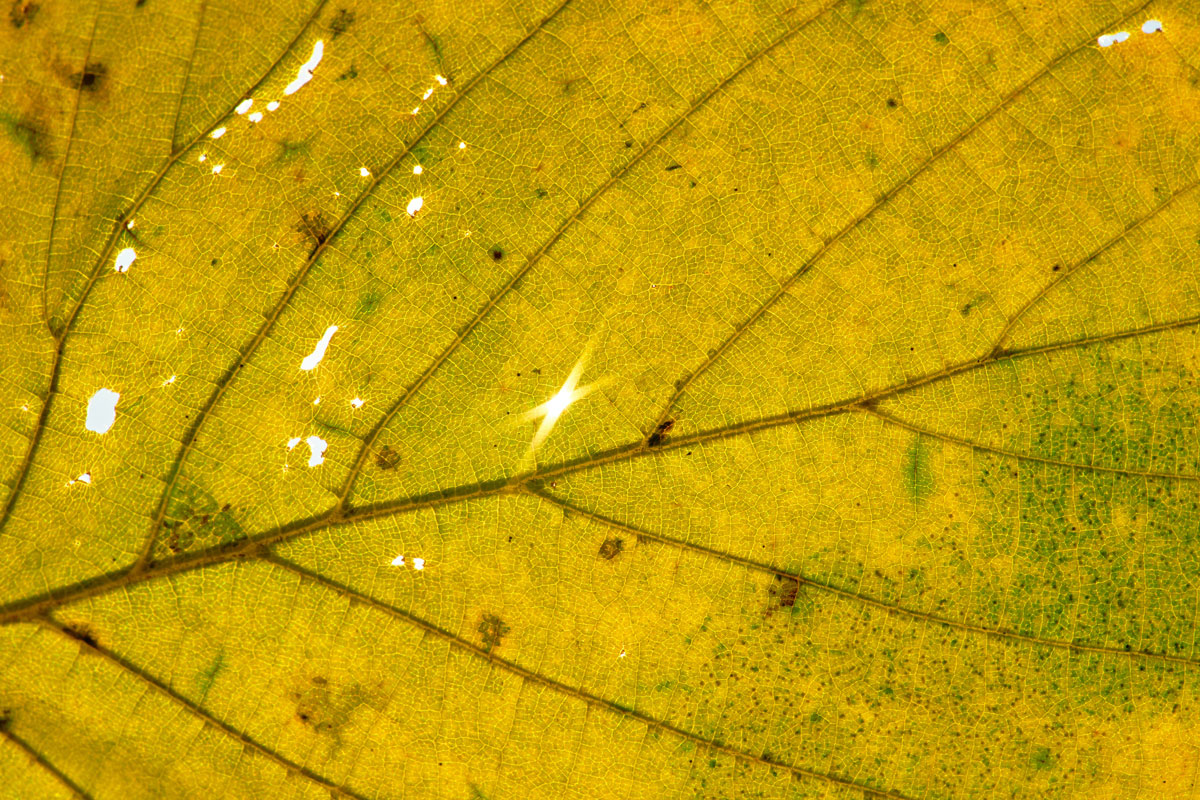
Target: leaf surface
578	399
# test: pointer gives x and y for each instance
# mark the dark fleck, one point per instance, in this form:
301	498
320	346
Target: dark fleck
673	167
611	548
660	433
22	12
1056	268
348	75
497	254
81	633
493	630
91	78
941	38
891	102
341	22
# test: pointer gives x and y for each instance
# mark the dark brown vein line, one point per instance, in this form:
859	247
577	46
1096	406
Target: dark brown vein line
187	78
193	432
30	607
845	406
1095	254
555	238
199	713
61	175
42	761
60	337
892	609
687	380
891	419
591	700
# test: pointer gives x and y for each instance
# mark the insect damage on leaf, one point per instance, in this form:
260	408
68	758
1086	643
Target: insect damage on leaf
611	547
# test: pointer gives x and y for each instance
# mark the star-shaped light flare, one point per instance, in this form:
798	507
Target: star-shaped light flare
552	409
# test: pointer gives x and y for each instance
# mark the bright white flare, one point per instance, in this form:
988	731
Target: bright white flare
255	117
552	409
102	411
84	478
312	359
306	69
1151	26
244	106
271	106
414	206
418	169
363	171
357	402
218	133
124	259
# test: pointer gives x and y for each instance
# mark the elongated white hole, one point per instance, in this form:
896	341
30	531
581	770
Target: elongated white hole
312	359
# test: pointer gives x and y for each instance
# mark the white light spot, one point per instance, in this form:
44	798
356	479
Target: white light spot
317	402
416	110
124	259
217	168
168	381
271	106
1109	39
621	654
1120	36
203	157
428	92
255	117
1105	40
441	80
306	69
102	411
462	145
310	361
129	225
218	133
418	563
84	478
357	402
363	171
317	447
293	442
414	206
552	409
398	561
1151	26
244	106
418	169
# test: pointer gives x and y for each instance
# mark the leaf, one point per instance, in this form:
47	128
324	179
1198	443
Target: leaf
761	400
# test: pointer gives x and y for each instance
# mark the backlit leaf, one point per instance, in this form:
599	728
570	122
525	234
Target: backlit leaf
577	399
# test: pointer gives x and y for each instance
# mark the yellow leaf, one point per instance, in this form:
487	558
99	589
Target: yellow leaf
576	399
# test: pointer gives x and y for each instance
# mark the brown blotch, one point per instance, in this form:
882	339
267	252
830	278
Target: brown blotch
660	433
493	630
387	458
81	633
91	78
22	12
341	22
315	227
497	254
611	548
783	594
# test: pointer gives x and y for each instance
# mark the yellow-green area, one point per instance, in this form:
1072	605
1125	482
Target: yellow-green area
599	399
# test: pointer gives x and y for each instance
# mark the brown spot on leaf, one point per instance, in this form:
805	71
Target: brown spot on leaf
81	633
91	78
22	12
341	22
387	458
660	433
611	548
493	630
315	227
